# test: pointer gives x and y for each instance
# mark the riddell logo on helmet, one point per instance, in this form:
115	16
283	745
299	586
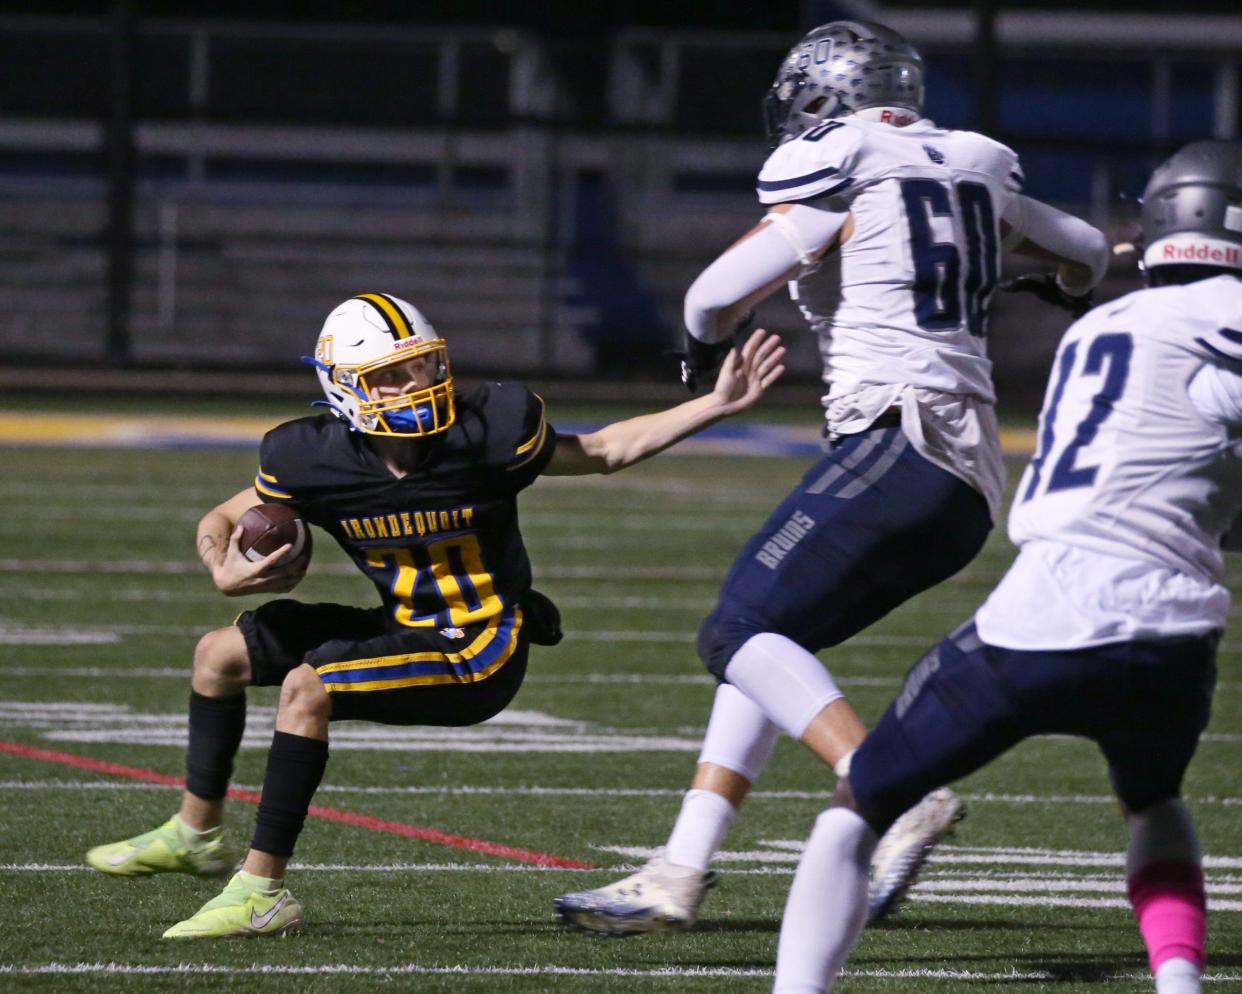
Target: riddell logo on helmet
1201	252
898	118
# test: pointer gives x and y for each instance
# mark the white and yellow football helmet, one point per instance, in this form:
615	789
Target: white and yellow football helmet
367	341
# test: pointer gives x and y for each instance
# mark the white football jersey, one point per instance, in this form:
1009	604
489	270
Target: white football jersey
916	275
1119	515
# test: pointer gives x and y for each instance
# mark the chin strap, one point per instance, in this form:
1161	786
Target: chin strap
310	360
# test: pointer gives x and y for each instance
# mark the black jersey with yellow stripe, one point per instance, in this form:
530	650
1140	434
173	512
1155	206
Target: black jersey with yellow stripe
441	544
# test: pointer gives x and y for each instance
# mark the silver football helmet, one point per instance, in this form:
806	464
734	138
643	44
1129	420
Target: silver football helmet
1192	208
841	68
384	369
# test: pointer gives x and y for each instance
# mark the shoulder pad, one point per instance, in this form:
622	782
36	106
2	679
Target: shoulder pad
1201	318
516	432
1222	345
285	452
1009	166
820	162
996	158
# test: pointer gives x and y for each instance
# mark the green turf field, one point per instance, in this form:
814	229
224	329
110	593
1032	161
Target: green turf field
103	601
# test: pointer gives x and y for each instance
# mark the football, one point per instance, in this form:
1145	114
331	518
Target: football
266	527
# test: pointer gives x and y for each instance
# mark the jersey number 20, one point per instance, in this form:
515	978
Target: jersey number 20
447	576
944	282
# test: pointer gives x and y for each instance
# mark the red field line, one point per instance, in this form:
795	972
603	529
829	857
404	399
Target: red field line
354	818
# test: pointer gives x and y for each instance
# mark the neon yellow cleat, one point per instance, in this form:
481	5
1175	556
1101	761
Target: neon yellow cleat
171	848
241	910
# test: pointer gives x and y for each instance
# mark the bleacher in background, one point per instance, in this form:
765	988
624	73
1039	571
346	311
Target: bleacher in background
546	205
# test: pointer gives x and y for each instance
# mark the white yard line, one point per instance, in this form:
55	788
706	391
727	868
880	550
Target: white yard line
461	970
996	890
17	634
441	743
207	596
605	793
337	868
613	518
634	679
517	730
998	882
697	606
760	500
418	969
1014	900
789	850
1116	885
88	567
970	877
102	672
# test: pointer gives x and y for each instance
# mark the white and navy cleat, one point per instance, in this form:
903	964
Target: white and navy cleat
660	897
904	849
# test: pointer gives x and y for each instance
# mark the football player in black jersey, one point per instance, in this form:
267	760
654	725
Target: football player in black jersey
418	483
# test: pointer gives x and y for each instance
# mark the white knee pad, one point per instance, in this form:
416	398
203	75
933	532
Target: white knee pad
739	736
786	681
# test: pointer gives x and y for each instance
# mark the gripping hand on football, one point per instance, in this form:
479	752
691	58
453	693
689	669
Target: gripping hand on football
748	371
235	576
1048	288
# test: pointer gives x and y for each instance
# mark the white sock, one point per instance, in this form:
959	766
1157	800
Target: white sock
739	736
700	828
786	681
827	906
1178	976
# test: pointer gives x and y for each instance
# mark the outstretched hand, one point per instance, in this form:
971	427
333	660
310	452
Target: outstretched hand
747	372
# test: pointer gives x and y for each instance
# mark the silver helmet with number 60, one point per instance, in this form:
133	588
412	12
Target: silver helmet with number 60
1192	209
838	69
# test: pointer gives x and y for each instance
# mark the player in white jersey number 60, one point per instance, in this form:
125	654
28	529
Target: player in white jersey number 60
1119	520
889	232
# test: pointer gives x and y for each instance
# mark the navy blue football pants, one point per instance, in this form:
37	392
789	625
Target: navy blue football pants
966	702
871	524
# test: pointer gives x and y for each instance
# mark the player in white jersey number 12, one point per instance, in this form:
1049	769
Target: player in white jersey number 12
1119	520
889	232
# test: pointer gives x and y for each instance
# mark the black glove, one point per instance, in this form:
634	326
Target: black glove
1045	287
699	360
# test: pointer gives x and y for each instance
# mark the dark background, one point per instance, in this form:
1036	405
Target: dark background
149	222
567	16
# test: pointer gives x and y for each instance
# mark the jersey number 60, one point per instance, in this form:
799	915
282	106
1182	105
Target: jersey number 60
941	282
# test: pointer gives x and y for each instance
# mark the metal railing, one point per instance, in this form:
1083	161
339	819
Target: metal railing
281	153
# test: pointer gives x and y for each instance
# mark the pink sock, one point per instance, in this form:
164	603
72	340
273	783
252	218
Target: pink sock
1171	909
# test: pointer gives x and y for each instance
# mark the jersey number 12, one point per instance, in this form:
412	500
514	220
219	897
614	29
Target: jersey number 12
1109	358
